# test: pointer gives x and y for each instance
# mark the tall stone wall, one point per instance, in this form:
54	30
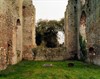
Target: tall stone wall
7	23
3	36
71	27
11	31
28	29
50	54
87	24
93	27
19	32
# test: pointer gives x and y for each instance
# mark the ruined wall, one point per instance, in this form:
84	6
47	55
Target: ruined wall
11	32
90	17
19	26
87	24
71	30
93	27
28	29
50	54
7	23
3	36
15	32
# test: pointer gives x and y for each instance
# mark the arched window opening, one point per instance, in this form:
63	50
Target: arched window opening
83	19
18	22
83	25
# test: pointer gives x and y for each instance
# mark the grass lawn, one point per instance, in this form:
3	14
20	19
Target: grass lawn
60	70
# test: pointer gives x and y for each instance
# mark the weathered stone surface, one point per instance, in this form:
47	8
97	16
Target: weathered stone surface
50	54
28	29
83	17
12	31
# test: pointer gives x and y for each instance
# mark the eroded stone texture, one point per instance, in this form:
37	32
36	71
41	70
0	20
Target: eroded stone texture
28	29
11	32
50	54
6	25
87	24
71	22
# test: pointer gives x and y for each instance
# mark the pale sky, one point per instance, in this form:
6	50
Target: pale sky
50	9
61	37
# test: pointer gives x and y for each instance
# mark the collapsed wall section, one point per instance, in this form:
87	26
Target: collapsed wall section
50	54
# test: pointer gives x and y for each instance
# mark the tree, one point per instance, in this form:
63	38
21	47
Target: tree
61	24
50	37
40	29
46	32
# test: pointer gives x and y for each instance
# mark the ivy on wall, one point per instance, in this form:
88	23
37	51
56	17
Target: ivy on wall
83	53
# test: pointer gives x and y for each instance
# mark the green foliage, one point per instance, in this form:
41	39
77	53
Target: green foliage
50	37
61	24
46	32
60	70
83	48
38	38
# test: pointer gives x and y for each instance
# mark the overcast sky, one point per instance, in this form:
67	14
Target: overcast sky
50	9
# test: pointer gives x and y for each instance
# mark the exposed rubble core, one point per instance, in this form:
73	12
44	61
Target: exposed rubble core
28	29
82	17
13	29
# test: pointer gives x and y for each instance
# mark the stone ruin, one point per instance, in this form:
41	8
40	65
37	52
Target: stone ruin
82	18
17	31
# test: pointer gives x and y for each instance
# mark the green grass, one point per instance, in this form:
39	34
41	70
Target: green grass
60	70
